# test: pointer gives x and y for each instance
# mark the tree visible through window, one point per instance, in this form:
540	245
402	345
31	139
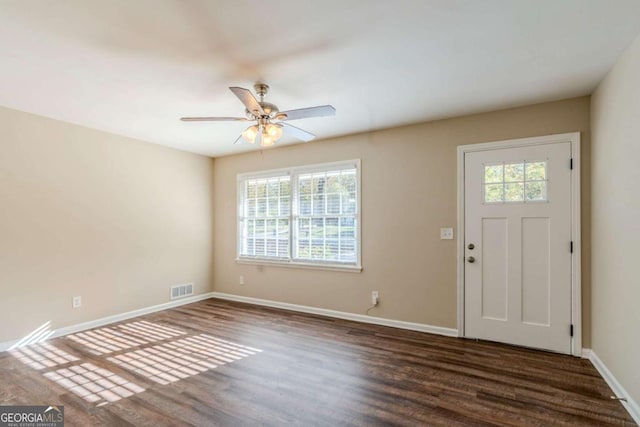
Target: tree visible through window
301	215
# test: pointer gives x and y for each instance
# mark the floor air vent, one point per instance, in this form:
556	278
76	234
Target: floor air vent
179	291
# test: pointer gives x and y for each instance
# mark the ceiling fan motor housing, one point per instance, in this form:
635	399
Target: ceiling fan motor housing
269	109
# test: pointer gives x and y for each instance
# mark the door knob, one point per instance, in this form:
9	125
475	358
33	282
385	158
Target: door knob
471	259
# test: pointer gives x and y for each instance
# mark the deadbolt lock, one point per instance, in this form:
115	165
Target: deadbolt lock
471	246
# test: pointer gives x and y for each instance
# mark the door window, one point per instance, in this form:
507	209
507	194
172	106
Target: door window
519	182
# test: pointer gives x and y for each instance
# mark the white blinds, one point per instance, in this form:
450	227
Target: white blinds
301	215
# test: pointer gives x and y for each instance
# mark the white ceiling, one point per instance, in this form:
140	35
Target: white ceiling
133	67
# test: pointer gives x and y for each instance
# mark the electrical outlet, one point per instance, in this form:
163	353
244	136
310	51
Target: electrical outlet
375	297
77	302
241	281
446	234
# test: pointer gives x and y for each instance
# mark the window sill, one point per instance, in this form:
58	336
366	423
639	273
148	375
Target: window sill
310	266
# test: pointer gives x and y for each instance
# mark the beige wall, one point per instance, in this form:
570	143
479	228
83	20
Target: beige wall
118	221
408	193
83	212
616	220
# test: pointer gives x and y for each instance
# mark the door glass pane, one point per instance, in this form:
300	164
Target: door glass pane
493	193
514	192
514	172
493	173
536	171
536	191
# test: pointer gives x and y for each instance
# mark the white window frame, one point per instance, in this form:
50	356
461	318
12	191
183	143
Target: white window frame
294	173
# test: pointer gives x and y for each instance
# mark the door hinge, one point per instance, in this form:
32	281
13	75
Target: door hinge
571	246
571	329
571	163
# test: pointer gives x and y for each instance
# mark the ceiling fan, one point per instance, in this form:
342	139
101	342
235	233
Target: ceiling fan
271	123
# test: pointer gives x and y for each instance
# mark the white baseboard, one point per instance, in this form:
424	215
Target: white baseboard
438	330
630	405
4	346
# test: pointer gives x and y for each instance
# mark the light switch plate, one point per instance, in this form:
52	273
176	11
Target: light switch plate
446	234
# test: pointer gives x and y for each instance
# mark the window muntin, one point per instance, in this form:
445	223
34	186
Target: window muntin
306	216
519	182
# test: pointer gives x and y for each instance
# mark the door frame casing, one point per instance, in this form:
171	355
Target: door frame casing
576	280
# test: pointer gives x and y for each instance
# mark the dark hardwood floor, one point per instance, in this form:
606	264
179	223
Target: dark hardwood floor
230	364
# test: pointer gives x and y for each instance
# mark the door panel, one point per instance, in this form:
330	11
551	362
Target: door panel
518	217
494	275
535	271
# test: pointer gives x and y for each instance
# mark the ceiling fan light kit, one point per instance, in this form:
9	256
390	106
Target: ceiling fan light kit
274	130
250	133
267	131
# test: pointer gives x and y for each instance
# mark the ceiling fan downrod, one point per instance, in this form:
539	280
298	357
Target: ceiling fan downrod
261	89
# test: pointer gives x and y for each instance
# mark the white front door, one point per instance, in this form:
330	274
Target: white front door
517	245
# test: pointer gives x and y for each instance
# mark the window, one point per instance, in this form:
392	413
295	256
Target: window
265	217
308	216
521	182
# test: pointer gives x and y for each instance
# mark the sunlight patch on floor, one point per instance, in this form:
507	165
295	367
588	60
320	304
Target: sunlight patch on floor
93	384
174	360
165	355
125	336
41	356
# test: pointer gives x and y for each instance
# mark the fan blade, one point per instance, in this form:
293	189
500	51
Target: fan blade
237	139
303	113
296	132
248	100
214	119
